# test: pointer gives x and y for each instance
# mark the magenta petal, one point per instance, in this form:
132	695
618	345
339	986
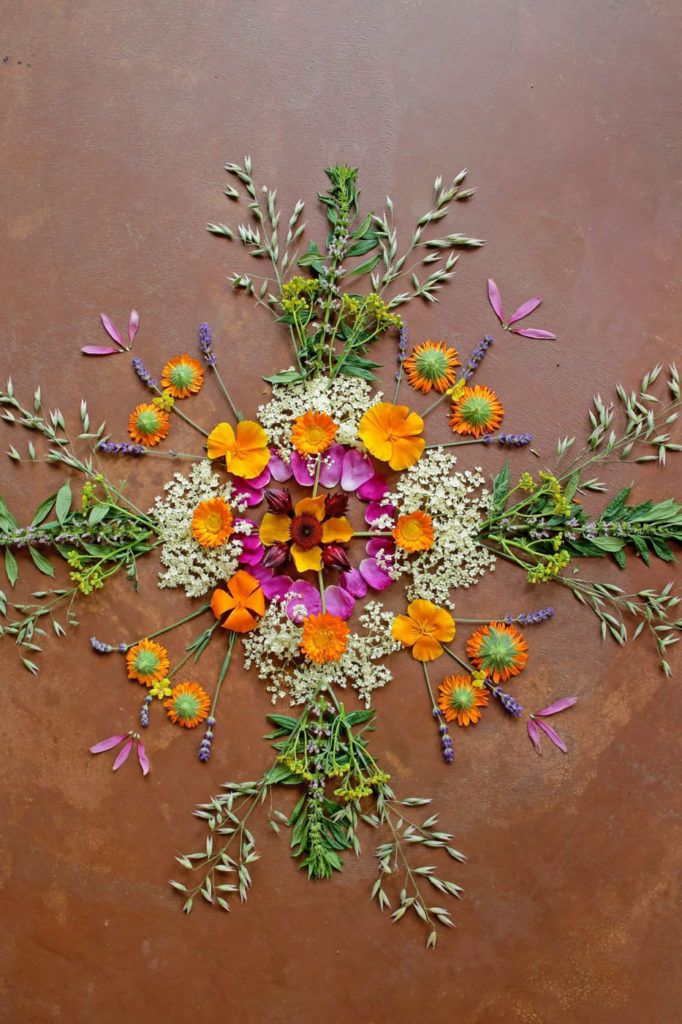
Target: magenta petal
252	557
99	350
302	474
251	542
279	469
262	574
339	602
534	735
259	482
357	470
111	330
495	299
251	495
122	756
112	741
377	544
375	510
276	586
371	571
353	582
374	489
530	332
304	599
554	737
524	310
332	463
142	758
133	324
559	705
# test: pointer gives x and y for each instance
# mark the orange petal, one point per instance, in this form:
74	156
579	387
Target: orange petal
274	528
404	630
426	649
444	625
315	506
240	620
220	603
256	602
405	452
305	560
248	464
250	436
242	585
220	440
336	529
412	424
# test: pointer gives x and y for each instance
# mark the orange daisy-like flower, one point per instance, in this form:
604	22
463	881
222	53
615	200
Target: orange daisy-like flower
499	650
148	425
325	637
431	365
306	529
425	628
212	522
240	604
187	705
393	434
182	376
147	662
460	701
245	448
414	532
313	433
477	411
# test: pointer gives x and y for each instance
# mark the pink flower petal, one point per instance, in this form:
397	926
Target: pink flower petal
374	489
302	474
339	602
275	586
495	299
534	735
377	544
260	482
279	469
99	350
123	755
371	571
353	582
530	332
112	741
525	309
559	705
133	324
375	510
554	737
254	556
251	495
357	470
142	758
332	464
111	330
304	599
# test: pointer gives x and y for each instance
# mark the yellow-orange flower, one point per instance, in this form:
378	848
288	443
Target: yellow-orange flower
325	637
240	604
187	705
245	448
182	376
313	433
148	425
477	411
460	701
499	650
147	662
212	522
431	365
393	434
425	628
414	532
307	530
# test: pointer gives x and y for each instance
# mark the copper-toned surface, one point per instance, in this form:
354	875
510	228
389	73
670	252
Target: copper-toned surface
117	119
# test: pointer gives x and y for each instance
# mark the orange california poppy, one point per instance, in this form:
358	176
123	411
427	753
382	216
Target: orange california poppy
313	433
460	701
431	365
425	628
148	425
392	434
147	662
414	532
182	376
325	637
306	530
240	604
187	705
499	650
245	448
477	411
212	522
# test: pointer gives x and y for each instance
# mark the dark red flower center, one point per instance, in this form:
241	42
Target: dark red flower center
306	531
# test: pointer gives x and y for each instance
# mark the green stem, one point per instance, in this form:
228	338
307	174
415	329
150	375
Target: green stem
166	629
223	672
235	411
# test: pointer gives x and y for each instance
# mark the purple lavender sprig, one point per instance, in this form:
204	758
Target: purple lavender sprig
207	741
206	345
529	618
99	646
509	703
446	745
144	375
144	711
515	440
476	356
121	448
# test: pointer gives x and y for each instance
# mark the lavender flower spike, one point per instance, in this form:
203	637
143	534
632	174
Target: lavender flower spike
206	344
121	448
142	372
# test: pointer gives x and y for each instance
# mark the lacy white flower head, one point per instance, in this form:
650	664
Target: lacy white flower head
198	569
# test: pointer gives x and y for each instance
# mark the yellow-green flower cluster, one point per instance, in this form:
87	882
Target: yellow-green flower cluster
164	401
526	483
562	505
161	688
91	579
550	568
297	294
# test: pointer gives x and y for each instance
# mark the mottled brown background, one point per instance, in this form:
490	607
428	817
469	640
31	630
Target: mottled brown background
117	118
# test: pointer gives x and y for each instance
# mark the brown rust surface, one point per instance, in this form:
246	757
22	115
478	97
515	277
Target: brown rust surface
116	121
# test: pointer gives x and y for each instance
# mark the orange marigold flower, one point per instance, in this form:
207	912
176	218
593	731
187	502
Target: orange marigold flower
313	433
182	376
148	425
325	637
245	448
392	434
499	650
147	662
460	701
240	604
431	365
212	522
425	628
187	705
477	411
414	532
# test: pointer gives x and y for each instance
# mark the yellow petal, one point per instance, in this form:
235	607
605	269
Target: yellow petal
404	630
444	626
220	440
337	529
405	452
314	506
274	528
305	560
248	464
250	436
426	649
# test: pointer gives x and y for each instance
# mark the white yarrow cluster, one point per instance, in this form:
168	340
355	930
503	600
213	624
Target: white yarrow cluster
189	565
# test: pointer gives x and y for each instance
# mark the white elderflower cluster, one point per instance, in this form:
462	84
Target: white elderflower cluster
345	399
189	565
456	503
274	650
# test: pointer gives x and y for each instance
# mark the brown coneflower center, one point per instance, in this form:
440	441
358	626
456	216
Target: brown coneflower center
306	531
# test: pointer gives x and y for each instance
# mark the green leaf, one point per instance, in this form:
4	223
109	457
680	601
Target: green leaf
285	377
363	245
97	514
572	484
5	514
11	567
63	502
662	549
367	267
500	489
609	543
43	510
41	562
617	504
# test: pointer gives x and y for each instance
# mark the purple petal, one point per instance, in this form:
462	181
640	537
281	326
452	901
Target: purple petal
559	705
524	310
375	509
530	332
374	489
99	350
353	582
534	735
142	758
251	495
279	469
495	299
372	572
377	544
339	602
122	756
275	586
357	470
254	556
554	737
133	324
111	330
112	741
330	470
260	482
302	474
302	595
